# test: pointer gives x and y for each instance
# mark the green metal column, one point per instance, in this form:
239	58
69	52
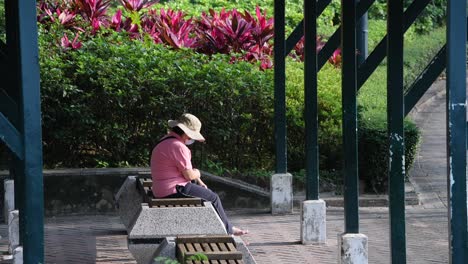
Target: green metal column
23	15
395	117
280	88
349	94
456	131
361	37
310	91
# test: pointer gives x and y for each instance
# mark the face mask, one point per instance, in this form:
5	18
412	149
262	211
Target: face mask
189	142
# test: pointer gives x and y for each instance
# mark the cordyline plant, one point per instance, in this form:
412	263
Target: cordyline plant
232	31
170	27
244	36
137	5
67	44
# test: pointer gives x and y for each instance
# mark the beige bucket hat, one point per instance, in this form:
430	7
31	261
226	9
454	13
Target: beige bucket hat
190	124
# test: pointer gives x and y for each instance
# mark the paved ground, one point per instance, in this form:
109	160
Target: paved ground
275	239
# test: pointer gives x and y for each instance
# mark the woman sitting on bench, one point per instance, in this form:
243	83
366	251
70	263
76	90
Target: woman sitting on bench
172	171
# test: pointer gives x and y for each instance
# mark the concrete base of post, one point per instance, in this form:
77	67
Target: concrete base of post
9	201
313	222
352	249
18	255
281	193
13	230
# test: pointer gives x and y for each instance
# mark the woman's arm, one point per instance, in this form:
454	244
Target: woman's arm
191	174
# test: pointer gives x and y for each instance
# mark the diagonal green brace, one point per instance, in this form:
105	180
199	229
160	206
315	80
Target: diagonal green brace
12	138
8	107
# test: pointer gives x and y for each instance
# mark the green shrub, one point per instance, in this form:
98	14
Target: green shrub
373	151
431	17
419	52
329	107
108	103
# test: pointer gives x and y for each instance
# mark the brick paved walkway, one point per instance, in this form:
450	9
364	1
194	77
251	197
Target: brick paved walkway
273	239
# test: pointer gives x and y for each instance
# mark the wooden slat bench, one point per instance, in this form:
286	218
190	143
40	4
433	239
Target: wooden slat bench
219	249
144	186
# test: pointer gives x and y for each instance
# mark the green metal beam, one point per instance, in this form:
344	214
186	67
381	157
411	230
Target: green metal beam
334	41
424	81
379	53
395	117
349	102
3	50
280	88
310	92
8	107
298	32
456	131
10	135
22	25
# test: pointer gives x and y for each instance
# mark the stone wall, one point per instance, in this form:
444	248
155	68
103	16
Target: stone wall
90	191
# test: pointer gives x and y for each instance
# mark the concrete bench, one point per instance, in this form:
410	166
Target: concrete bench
149	221
220	249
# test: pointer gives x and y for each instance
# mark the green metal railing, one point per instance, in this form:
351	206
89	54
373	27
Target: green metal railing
399	104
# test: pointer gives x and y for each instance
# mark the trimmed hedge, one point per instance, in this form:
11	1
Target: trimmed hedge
108	103
373	152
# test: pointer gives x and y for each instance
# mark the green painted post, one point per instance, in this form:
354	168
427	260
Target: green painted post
28	80
349	93
395	117
361	37
456	131
280	88
310	91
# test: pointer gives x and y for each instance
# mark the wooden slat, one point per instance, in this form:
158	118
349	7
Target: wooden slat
206	247
181	252
231	246
198	247
214	247
232	261
205	239
217	255
223	247
223	261
190	247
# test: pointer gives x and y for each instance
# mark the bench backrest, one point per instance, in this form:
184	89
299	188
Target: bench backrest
144	186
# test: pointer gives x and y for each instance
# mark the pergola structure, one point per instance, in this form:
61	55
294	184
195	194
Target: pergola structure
20	122
20	112
399	103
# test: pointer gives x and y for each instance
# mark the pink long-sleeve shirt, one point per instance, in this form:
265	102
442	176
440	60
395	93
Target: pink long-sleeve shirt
168	159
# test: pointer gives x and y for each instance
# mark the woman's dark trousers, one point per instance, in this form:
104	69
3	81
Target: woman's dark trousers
208	195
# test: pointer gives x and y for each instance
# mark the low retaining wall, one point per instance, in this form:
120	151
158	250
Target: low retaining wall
90	191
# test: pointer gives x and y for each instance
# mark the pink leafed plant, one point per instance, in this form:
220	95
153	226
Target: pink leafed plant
93	11
67	44
170	27
224	32
299	48
137	5
262	28
335	59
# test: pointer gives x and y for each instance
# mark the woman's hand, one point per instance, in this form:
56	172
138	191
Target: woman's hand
201	183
